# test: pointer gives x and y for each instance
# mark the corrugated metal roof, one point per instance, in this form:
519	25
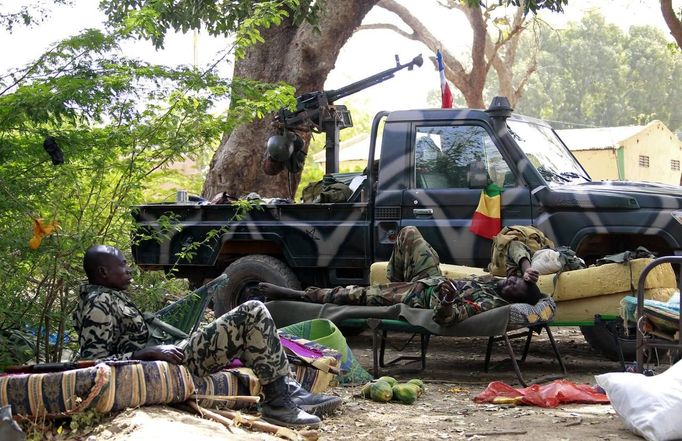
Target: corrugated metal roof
599	138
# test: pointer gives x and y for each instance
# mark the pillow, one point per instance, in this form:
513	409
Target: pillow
649	406
523	314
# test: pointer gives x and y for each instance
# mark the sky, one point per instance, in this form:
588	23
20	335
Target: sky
367	52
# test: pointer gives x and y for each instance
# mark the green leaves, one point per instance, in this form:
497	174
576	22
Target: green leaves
152	20
119	122
595	74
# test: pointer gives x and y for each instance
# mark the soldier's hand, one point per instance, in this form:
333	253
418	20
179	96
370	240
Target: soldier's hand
531	275
170	353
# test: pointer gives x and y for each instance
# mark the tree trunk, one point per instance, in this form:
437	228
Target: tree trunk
672	20
294	54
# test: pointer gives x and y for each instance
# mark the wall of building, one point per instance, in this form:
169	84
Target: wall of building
600	164
660	148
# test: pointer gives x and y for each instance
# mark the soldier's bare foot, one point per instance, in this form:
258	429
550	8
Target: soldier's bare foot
274	292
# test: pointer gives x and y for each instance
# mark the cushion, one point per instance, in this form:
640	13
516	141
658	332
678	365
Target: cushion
649	406
588	282
581	293
114	386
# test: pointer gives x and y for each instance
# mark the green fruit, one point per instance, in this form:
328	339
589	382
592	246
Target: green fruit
365	391
390	380
406	392
419	383
381	391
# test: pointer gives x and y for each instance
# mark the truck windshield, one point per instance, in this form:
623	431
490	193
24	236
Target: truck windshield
546	152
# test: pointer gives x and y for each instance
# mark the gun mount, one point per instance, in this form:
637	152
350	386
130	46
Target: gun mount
316	112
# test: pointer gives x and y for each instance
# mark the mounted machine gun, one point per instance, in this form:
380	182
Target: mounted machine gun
316	112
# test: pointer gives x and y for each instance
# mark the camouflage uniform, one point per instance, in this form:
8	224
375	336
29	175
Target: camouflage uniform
413	265
513	244
110	327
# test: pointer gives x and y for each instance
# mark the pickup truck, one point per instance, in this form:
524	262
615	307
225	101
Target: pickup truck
429	168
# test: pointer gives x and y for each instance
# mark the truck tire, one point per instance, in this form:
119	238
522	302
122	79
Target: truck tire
245	273
601	339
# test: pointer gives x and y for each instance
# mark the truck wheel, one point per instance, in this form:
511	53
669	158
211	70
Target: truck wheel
600	337
247	272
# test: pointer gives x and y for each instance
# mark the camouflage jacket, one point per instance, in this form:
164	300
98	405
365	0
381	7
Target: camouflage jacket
511	245
476	295
109	325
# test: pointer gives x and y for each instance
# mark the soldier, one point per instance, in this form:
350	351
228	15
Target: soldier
416	280
110	327
515	253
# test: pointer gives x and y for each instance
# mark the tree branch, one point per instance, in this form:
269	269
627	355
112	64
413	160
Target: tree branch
390	27
672	20
453	67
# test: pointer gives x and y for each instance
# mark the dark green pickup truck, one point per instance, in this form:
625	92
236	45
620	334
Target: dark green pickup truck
432	165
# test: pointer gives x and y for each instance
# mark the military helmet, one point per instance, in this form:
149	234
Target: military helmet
280	147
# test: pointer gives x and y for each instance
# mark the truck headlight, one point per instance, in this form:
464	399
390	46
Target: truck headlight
677	215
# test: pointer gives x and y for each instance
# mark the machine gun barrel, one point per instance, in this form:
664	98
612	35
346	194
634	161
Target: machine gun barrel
333	95
312	100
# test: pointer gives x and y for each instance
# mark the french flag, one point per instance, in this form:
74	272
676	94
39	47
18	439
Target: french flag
446	95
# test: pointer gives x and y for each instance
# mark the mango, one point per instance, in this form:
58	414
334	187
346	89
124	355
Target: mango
381	391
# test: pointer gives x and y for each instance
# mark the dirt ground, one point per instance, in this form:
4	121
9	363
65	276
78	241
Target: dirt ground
453	375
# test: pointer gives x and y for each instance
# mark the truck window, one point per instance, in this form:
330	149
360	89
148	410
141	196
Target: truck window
445	157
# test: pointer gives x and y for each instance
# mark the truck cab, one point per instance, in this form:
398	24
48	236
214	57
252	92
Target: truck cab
434	164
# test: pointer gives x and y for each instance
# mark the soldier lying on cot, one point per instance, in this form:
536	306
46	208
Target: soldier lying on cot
416	280
110	327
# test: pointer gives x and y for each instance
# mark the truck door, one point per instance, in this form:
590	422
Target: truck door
451	164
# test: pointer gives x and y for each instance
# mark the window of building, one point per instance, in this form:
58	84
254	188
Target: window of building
643	161
674	164
458	157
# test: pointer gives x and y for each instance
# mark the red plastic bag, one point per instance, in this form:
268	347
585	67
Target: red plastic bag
546	395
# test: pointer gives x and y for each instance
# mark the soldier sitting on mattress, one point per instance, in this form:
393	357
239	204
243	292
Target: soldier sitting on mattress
416	280
110	327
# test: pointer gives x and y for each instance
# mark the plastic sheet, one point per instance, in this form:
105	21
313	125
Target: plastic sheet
545	395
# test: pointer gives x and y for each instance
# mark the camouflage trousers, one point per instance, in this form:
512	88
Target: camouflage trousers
413	262
248	333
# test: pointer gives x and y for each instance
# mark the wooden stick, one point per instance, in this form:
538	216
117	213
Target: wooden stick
495	432
239	419
242	398
211	415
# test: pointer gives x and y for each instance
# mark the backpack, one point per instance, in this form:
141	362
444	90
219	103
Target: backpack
327	190
533	238
569	260
626	256
311	191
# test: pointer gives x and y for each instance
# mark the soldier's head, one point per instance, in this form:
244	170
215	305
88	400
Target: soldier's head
516	290
106	266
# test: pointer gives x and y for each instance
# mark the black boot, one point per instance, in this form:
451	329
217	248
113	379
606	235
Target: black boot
316	404
278	408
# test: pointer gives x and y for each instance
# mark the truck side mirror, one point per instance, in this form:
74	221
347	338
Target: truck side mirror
477	175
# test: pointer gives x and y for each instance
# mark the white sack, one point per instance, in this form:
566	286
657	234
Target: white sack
546	261
649	406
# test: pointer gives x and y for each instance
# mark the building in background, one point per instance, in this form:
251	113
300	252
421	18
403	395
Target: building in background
632	153
353	153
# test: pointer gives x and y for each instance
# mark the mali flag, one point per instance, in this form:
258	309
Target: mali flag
486	221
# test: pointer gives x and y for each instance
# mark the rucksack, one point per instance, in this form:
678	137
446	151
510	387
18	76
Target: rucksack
327	190
569	260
